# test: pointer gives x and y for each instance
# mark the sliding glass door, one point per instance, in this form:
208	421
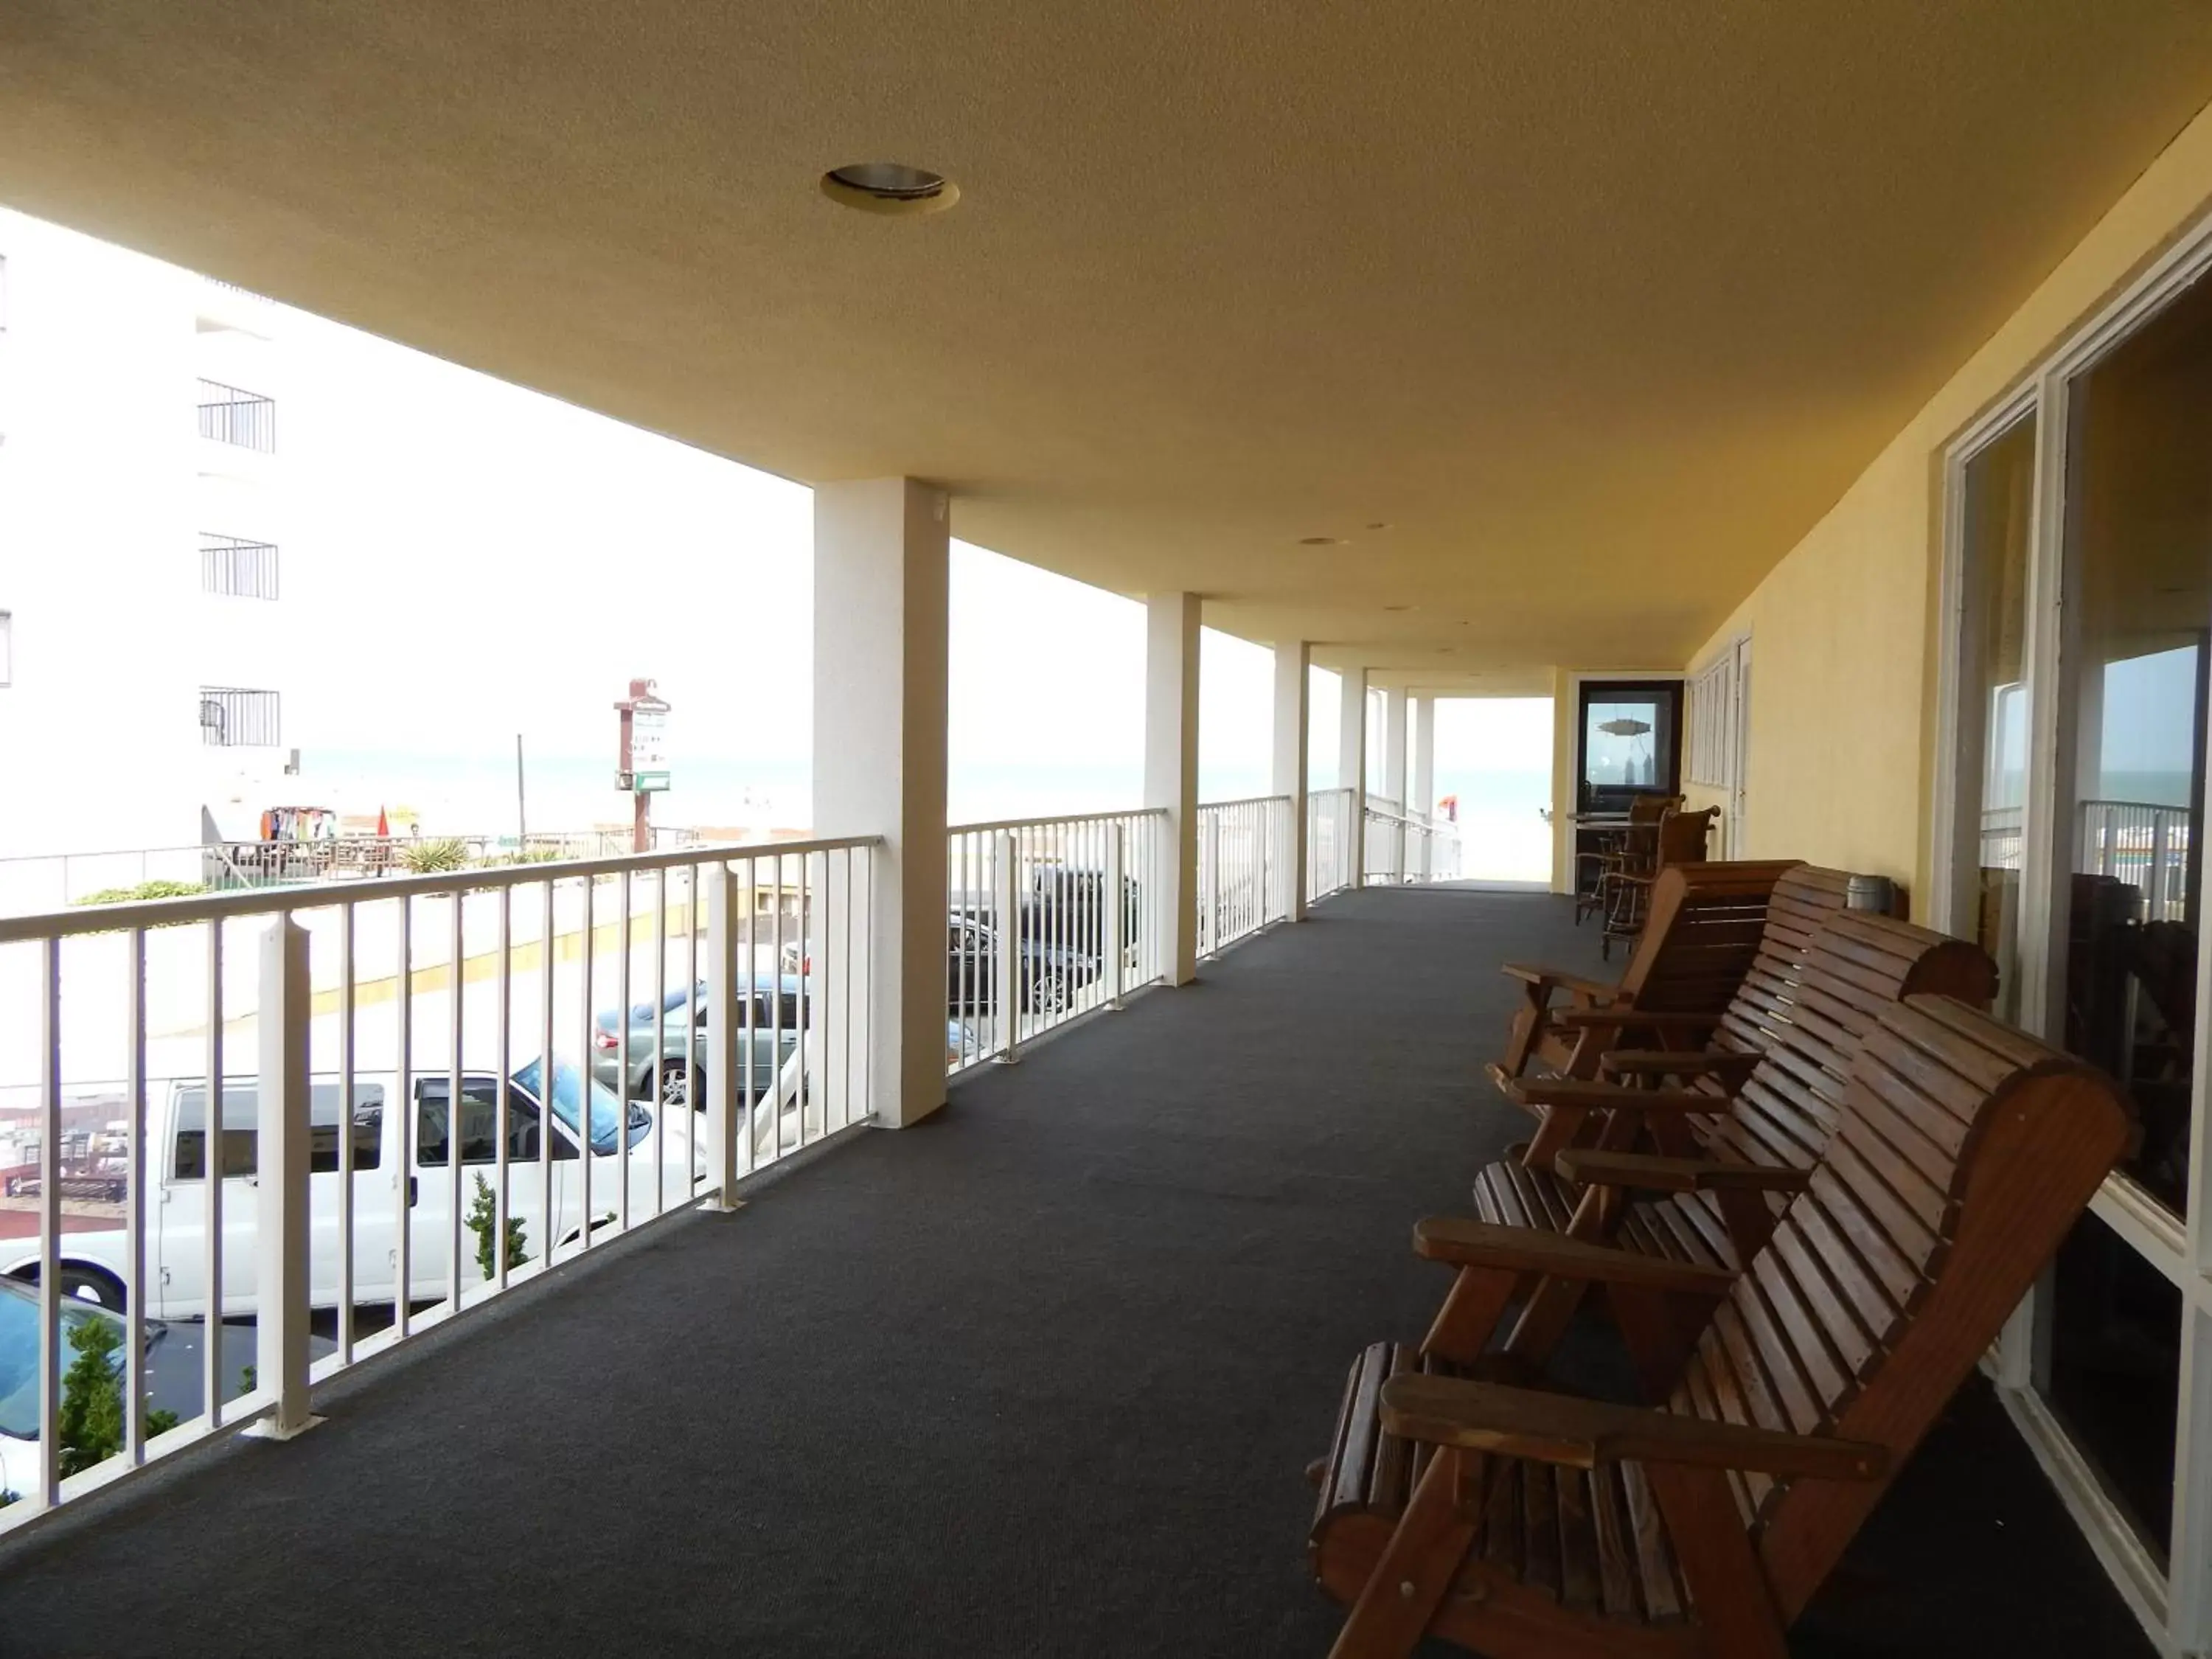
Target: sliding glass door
2079	580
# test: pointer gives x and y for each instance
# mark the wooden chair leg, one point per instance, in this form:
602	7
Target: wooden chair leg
1461	1328
1719	1565
1415	1572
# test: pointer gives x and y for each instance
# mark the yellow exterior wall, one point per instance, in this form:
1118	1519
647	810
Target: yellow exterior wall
1844	640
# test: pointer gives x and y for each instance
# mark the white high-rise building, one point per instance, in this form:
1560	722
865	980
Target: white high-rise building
143	550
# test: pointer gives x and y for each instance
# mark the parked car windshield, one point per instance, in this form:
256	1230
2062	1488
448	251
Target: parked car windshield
19	1353
569	1091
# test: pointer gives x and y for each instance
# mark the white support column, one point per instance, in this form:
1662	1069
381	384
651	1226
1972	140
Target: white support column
1171	769
1289	777
1351	767
881	570
1422	798
282	1134
1394	769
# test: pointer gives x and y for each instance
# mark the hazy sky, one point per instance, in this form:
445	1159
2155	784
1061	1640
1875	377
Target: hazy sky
466	561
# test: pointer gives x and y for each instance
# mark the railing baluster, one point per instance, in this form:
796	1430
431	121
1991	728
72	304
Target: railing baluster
347	1106
51	1362
624	947
138	1166
503	1128
402	1110
213	1158
455	1150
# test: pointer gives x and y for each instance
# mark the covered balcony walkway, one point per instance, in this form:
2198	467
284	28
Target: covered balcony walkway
1038	1377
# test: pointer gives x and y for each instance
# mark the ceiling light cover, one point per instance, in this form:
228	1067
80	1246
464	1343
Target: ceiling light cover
890	188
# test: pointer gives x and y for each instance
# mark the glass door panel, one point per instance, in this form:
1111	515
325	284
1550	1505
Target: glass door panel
2139	590
1999	485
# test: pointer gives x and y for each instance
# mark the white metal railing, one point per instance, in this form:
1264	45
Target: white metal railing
1244	849
1406	846
1030	909
48	881
2142	844
624	1036
1329	841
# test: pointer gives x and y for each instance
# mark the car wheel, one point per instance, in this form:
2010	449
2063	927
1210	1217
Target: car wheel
682	1086
94	1285
1048	994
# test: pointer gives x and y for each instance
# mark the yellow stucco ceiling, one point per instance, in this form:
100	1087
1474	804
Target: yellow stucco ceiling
1596	304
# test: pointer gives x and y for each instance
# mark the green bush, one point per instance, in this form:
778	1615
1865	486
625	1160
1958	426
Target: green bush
528	855
483	1217
145	889
92	1398
435	856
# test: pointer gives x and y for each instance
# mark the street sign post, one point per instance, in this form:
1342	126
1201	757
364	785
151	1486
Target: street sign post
641	769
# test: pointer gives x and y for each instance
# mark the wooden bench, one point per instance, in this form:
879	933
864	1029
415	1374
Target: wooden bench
1525	1524
1749	1137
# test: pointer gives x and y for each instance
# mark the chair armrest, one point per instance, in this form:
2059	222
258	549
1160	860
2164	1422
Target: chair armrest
1460	1242
1584	1434
1588	1167
1636	1017
1613	1096
1581	984
1732	1065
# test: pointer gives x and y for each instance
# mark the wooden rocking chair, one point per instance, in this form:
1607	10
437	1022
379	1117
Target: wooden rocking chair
1699	998
1528	1525
1724	1153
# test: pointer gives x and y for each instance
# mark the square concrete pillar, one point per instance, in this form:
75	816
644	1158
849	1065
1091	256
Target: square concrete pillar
881	595
1171	622
1351	765
1423	797
1289	773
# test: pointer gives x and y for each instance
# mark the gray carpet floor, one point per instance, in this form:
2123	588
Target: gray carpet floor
1036	1378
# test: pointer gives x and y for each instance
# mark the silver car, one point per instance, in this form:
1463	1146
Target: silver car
675	1032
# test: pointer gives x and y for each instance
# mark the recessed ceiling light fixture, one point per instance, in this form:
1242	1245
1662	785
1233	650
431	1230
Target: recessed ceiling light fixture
890	188
1320	541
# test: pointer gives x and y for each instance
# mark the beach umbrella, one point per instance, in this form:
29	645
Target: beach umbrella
383	825
1626	727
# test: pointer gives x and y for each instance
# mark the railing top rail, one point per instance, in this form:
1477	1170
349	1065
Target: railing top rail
1242	800
239	394
1064	817
2124	805
322	895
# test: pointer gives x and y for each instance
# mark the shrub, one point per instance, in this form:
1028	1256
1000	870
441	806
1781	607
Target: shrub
483	1217
92	1398
145	889
436	855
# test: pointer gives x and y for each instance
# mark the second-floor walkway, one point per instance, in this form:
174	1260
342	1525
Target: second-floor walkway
1036	1378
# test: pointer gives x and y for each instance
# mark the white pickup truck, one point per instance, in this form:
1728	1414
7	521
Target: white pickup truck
401	1170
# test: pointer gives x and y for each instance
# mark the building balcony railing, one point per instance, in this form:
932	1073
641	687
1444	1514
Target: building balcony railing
2142	844
625	1037
239	717
229	415
437	1084
244	569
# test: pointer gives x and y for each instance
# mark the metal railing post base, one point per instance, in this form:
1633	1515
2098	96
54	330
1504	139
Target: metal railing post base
268	1428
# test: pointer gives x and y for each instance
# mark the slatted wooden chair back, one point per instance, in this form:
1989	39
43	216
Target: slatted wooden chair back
1683	835
1964	1152
1814	1013
1802	902
1701	937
